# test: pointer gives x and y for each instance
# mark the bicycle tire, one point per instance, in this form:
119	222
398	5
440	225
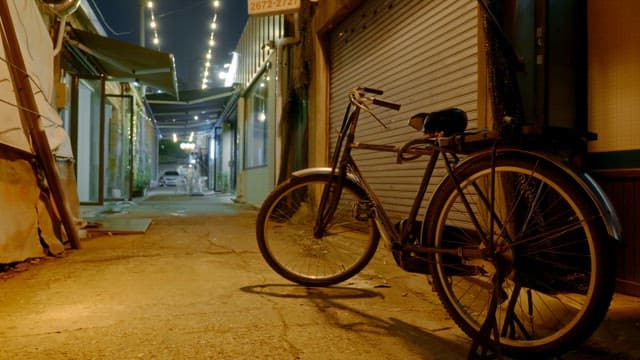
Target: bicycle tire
558	266
284	232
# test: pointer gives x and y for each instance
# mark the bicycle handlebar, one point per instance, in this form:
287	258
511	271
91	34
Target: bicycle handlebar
387	104
372	90
360	97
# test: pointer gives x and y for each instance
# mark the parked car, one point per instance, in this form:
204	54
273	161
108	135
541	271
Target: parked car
169	178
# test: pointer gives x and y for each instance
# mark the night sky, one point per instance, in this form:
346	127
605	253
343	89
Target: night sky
183	29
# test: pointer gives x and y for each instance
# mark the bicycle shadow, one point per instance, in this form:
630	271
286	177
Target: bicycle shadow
424	343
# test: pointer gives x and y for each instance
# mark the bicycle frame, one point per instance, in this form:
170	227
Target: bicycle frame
510	237
343	164
516	222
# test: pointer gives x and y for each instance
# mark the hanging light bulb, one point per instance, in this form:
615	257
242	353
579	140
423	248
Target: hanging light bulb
211	43
153	24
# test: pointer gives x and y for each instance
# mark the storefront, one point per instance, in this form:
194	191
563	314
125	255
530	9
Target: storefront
580	75
111	130
258	117
424	55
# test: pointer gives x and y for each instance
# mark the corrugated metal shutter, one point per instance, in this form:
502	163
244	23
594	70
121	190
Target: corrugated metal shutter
424	55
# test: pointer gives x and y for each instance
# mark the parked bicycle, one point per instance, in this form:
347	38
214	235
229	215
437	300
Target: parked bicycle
519	246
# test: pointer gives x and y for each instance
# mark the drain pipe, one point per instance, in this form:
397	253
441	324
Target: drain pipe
62	8
61	29
281	44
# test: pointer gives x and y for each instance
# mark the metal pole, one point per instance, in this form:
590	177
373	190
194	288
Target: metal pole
142	24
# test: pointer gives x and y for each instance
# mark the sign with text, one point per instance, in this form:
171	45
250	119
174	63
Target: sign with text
268	7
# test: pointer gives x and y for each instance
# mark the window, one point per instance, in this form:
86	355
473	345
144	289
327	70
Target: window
256	125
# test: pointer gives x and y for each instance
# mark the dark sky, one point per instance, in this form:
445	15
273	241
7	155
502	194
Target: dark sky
183	29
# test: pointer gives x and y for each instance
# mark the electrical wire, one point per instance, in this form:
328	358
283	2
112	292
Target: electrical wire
104	21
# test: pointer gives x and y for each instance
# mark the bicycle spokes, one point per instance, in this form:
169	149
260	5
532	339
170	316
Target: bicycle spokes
536	255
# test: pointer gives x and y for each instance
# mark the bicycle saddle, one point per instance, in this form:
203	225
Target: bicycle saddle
444	122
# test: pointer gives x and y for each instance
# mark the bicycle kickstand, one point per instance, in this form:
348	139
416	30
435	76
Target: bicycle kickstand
482	348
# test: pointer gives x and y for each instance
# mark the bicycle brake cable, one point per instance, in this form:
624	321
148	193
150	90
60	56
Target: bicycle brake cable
359	103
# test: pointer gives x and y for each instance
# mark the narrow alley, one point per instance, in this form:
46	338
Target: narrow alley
194	286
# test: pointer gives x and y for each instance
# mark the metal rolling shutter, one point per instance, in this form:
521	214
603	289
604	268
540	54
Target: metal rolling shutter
424	55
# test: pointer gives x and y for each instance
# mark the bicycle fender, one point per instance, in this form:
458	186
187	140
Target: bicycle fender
323	171
584	180
310	171
327	171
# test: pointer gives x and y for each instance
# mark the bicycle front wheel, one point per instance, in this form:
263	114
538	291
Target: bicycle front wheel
551	269
285	232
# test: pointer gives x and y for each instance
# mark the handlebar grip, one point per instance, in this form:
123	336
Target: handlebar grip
387	104
372	91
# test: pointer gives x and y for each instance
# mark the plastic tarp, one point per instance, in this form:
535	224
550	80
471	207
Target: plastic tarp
26	227
37	50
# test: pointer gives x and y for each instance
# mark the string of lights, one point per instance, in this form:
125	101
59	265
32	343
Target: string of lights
210	45
153	24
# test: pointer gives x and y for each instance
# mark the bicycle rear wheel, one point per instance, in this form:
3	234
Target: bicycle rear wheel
556	274
285	233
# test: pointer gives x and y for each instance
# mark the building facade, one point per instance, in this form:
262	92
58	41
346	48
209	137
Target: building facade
258	107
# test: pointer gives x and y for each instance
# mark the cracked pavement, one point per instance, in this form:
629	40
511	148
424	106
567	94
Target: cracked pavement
194	286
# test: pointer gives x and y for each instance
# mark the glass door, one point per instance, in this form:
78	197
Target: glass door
117	151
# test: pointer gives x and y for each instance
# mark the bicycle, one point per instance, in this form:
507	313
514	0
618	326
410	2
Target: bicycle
518	244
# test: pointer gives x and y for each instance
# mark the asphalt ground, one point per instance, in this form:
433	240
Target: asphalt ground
194	286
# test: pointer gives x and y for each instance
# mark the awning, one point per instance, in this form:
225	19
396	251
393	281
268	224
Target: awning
125	62
179	116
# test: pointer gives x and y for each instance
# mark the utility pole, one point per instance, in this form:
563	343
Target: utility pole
142	23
